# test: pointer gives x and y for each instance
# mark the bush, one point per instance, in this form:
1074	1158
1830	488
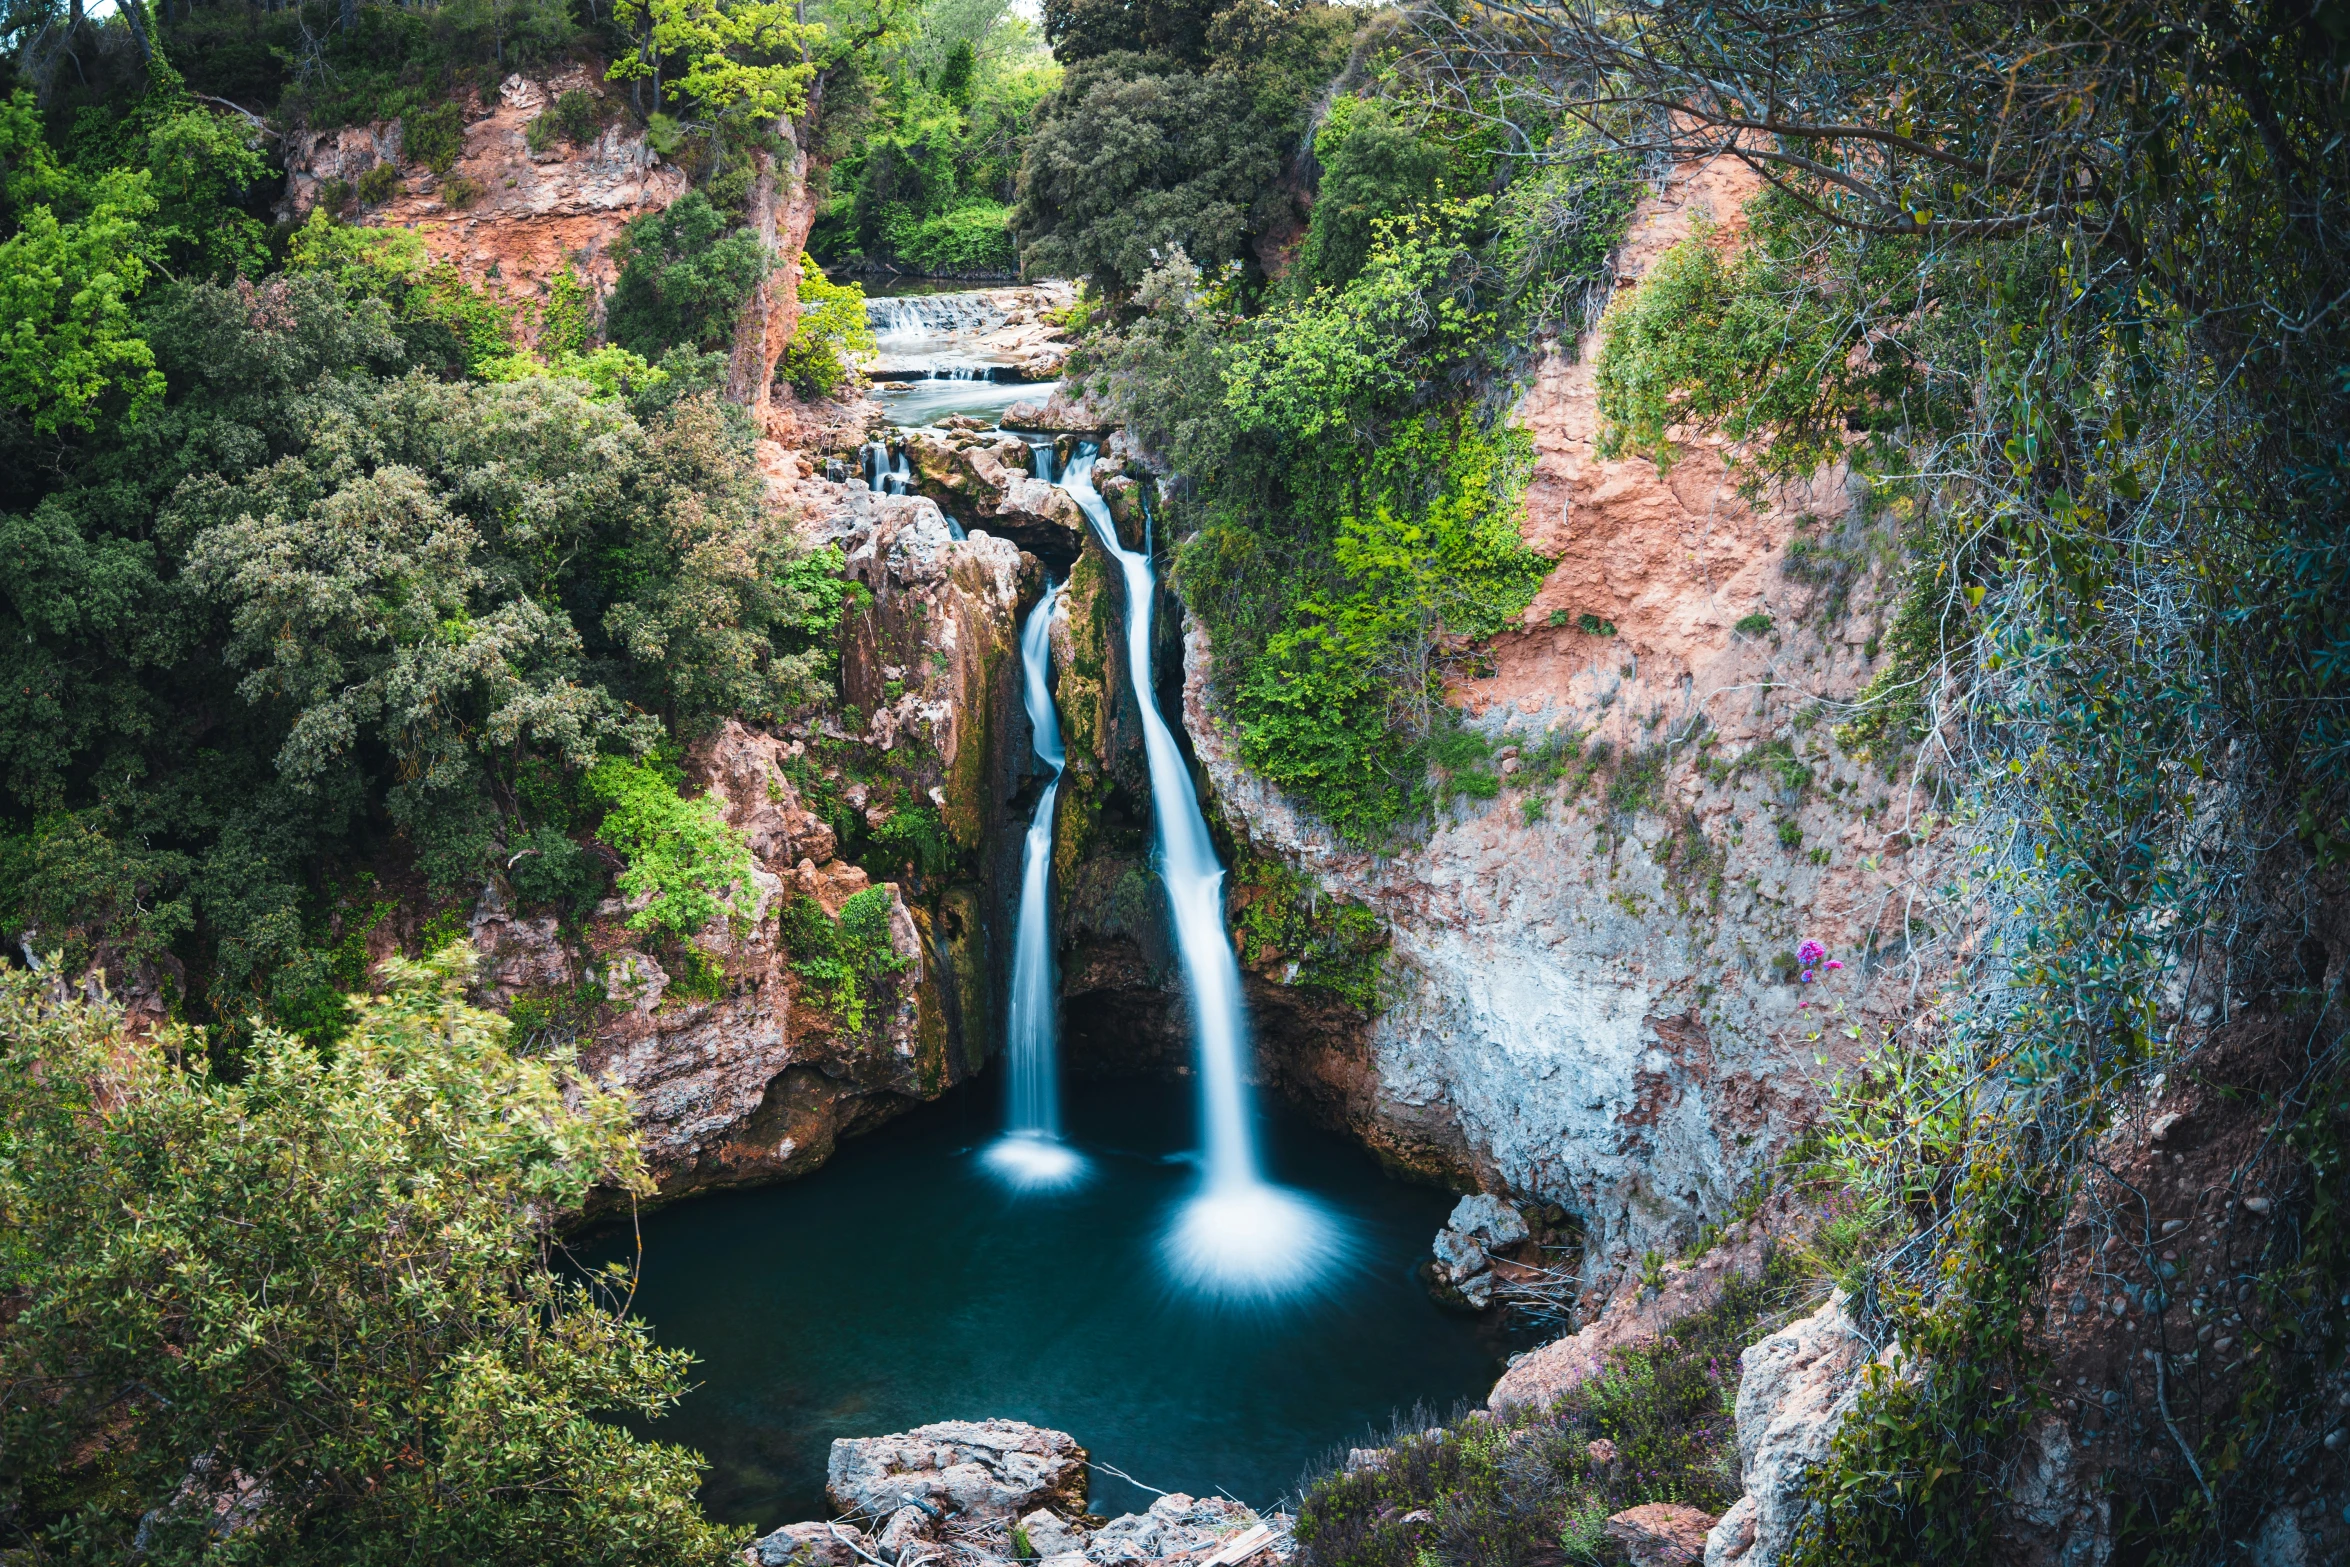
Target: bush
845	960
683	279
1524	1488
681	853
334	1267
379	185
434	137
833	329
579	116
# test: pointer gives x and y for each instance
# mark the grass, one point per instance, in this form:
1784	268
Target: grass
1525	1489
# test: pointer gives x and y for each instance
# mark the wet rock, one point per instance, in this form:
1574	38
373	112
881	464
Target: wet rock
1661	1534
1057	414
815	1544
1795	1388
1489	1220
965	1469
1175	1525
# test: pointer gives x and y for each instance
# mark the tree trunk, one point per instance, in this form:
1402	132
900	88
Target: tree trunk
780	212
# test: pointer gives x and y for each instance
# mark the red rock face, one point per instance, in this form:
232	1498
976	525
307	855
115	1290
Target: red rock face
1597	1000
535	212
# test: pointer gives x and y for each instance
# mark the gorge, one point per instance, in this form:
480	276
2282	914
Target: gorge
1502	785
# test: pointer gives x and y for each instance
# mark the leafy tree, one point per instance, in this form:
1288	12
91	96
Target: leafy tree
70	351
311	1316
683	277
1140	154
1374	169
833	328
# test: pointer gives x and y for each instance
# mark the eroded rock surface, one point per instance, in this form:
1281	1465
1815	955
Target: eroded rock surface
970	1469
1795	1388
1590	996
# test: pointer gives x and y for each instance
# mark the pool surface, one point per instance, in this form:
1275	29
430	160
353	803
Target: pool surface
903	1283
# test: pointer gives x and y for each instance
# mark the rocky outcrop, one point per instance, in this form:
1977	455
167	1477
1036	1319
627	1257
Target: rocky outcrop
984	481
1660	1534
740	1067
1060	414
1480	1227
1590	993
506	217
981	1493
1795	1387
987	1470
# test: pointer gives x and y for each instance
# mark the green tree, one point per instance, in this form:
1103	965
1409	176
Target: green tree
682	856
683	278
311	1316
70	348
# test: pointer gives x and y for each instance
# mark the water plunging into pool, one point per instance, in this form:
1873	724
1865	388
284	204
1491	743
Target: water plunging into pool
1031	1155
1239	1235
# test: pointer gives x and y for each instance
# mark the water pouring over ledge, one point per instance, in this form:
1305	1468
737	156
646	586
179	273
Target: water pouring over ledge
1031	1156
1238	1235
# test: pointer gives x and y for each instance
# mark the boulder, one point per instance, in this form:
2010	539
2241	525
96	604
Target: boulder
1795	1388
1050	1535
966	1469
1176	1525
816	1544
1489	1219
1661	1534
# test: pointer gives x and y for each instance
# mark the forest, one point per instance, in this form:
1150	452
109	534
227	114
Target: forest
341	584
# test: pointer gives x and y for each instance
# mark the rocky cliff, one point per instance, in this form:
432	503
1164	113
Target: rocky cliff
751	1054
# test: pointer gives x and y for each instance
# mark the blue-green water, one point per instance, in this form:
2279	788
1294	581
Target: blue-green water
903	1284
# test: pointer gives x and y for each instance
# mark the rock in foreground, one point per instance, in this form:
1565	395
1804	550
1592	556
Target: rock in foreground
977	1470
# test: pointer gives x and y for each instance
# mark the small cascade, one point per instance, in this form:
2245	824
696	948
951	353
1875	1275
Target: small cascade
908	320
1041	457
1030	1155
886	473
1239	1235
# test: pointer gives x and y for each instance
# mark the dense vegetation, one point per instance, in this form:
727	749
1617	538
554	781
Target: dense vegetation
928	184
1351	475
308	1315
340	578
1176	128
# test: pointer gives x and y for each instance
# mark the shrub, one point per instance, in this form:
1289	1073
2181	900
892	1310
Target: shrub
1754	625
845	960
578	115
1523	1488
379	185
540	133
459	192
680	852
434	137
683	279
832	330
337	1267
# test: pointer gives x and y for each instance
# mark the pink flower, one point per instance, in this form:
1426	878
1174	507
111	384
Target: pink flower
1810	953
1835	963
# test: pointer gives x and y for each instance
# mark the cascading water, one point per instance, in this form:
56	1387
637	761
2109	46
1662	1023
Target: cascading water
1238	1235
1030	1154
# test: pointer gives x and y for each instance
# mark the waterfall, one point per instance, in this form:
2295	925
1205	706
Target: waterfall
1031	1154
1239	1235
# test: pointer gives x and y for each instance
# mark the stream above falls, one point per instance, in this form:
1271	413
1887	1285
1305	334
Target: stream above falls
903	1284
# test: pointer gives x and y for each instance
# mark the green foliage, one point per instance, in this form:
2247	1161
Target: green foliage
832	330
1356	502
735	61
681	854
336	1267
1375	169
1523	1487
1283	918
568	318
434	137
1169	134
443	321
683	278
1757	624
549	870
846	961
70	351
212	702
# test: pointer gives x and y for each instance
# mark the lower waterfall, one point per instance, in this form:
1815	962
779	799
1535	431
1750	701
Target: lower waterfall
1239	1234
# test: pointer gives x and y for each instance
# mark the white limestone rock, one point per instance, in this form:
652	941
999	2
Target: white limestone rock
1795	1389
965	1469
